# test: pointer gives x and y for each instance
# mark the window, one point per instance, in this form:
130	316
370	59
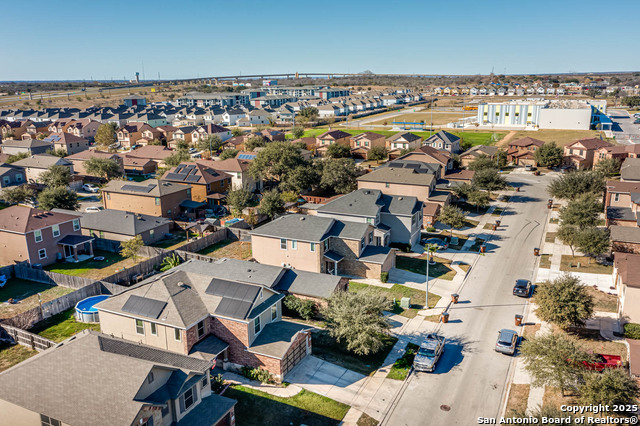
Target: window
5	179
386	185
101	233
370	237
370	220
222	183
326	244
48	421
312	247
200	329
151	232
283	244
157	201
187	399
108	195
19	177
154	329
274	312
42	253
616	197
294	245
362	243
38	235
256	325
56	230
140	327
177	334
205	381
150	377
76	224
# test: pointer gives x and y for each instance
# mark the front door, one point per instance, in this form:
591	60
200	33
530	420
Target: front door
68	251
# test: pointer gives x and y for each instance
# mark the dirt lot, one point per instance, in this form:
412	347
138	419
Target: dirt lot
560	137
439	117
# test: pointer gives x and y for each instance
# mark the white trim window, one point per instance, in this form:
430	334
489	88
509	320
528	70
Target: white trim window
154	328
200	329
294	245
56	230
312	247
283	244
76	224
256	325
188	399
42	253
38	235
274	312
177	334
140	327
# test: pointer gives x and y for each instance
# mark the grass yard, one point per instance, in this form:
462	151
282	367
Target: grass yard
550	237
260	408
469	223
397	292
400	368
11	355
26	294
442	269
603	302
570	264
470	208
560	137
62	326
518	396
231	249
554	220
446	236
497	211
95	269
594	342
327	348
367	420
178	239
545	261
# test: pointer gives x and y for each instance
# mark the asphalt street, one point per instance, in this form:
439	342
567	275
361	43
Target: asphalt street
470	379
623	128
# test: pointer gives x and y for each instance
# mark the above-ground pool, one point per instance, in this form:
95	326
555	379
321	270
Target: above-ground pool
85	310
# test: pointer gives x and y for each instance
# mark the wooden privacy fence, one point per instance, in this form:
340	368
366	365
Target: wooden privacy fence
111	246
23	337
204	242
139	271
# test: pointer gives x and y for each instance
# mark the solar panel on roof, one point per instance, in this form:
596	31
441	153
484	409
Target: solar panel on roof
232	290
192	178
246	157
179	168
175	176
149	308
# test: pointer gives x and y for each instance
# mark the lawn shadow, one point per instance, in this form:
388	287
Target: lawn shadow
524	199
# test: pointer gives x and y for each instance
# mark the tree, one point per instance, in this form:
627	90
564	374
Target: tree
481	163
337	150
182	145
608	167
156	142
377	153
554	360
339	175
228	153
271	204
55	175
611	387
17	157
177	158
276	161
569	234
490	180
297	132
130	248
106	168
106	135
309	114
564	302
593	241
631	101
357	319
549	155
211	143
58	197
570	185
238	199
501	159
170	262
463	190
254	142
57	152
452	216
236	132
301	178
17	194
583	211
478	199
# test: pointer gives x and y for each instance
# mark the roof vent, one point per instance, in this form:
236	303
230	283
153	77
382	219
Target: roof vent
302	218
400	198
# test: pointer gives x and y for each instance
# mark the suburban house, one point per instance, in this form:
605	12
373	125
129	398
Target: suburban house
41	237
580	154
237	142
208	185
331	137
28	146
11	176
35	165
78	160
427	154
630	169
402	141
626	276
444	140
129	134
521	151
134	385
322	244
151	197
224	311
238	170
184	133
67	142
119	225
618	152
138	166
396	218
157	153
203	132
476	152
625	239
85	128
362	143
622	203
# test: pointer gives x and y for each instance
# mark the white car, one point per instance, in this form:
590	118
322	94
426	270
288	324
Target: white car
92	209
89	187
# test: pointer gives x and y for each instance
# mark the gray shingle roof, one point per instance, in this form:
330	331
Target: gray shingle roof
621	213
443	136
400	205
276	338
630	170
402	176
42	161
121	222
297	227
308	283
375	254
362	202
625	234
156	187
349	230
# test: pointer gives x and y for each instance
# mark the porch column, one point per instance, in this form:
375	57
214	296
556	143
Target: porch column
335	268
75	252
91	248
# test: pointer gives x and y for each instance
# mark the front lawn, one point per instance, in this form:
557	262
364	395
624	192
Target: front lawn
397	292
550	237
545	261
400	368
518	398
497	211
230	249
470	208
95	269
25	293
603	302
327	348
592	341
62	326
11	355
418	265
260	408
587	264
446	237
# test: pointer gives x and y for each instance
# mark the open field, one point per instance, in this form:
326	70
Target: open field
439	117
26	294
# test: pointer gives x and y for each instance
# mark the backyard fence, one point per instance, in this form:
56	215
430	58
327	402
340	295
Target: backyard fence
239	234
206	241
139	271
23	337
7	271
111	246
52	278
148	251
185	255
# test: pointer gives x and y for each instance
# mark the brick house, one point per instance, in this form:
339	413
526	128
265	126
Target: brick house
151	197
78	160
208	185
322	244
68	142
134	385
227	311
40	237
580	154
521	152
618	152
329	138
362	143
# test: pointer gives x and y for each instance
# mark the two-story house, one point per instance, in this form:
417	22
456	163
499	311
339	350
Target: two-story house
428	154
444	140
134	385
67	142
329	138
11	176
152	197
580	154
208	130
238	170
78	160
521	152
361	144
35	165
156	153
630	170
617	152
477	151
208	185
402	141
128	135
40	237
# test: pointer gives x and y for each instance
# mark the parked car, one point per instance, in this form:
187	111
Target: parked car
92	209
604	361
507	342
522	288
89	187
442	245
528	167
429	353
192	150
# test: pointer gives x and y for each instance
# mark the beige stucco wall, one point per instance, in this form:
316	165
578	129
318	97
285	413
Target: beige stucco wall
630	304
420	192
13	248
14	415
169	204
624	200
267	250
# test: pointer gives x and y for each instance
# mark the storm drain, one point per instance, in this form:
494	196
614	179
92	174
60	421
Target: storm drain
445	407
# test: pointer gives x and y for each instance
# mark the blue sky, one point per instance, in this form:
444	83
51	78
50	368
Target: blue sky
187	38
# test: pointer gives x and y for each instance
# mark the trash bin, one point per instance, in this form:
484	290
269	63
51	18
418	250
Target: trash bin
518	320
494	227
483	249
498	223
454	297
536	173
536	252
445	317
518	189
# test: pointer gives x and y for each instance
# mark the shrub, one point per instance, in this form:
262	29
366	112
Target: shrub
217	383
632	331
431	229
305	309
384	277
401	246
258	374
